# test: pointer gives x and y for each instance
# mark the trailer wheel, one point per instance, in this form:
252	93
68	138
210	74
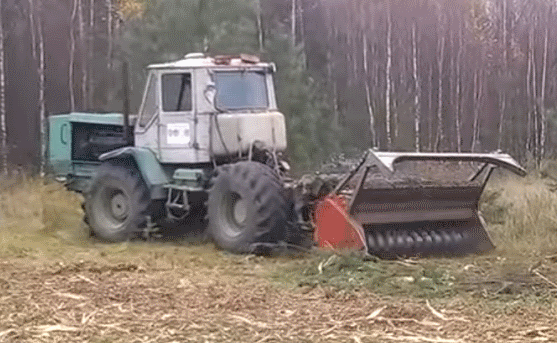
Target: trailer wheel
246	205
117	203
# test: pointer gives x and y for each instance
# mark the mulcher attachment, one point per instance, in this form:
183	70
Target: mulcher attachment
392	217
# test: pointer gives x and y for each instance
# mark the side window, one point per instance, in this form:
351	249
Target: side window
176	92
150	105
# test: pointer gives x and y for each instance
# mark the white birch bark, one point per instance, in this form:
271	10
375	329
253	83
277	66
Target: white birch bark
42	100
3	128
368	95
82	48
388	83
534	97
503	109
430	108
72	57
440	135
91	47
477	104
32	29
109	10
529	93
259	26
293	22
417	90
543	117
458	86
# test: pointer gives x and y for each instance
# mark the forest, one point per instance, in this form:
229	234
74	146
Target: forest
420	75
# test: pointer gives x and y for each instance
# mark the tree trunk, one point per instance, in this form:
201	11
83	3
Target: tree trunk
430	108
368	96
543	119
388	83
32	29
42	99
3	129
293	22
529	141
91	50
477	103
259	26
503	101
458	91
72	57
534	97
417	89
109	33
440	135
82	46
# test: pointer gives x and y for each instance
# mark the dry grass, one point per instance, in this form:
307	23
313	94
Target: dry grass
522	215
56	286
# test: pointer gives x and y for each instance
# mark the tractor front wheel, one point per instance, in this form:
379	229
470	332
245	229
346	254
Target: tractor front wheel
246	205
117	203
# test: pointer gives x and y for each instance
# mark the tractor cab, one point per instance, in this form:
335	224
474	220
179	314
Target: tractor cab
200	109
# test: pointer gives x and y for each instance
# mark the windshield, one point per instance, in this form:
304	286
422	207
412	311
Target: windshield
241	90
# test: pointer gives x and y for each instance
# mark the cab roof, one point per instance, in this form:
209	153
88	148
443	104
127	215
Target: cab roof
200	60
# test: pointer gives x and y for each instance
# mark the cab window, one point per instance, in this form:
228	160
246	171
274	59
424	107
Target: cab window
176	92
150	104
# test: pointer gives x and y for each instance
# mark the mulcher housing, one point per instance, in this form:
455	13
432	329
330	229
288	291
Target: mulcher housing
390	217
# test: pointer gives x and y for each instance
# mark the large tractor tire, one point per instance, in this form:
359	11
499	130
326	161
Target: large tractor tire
117	203
246	205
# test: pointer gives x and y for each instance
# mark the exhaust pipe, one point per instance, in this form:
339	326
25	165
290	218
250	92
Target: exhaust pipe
128	138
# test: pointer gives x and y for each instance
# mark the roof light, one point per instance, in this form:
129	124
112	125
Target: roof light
192	55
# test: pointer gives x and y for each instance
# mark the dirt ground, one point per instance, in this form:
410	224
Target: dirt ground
56	286
169	293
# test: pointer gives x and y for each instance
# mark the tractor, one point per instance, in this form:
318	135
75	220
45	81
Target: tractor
207	148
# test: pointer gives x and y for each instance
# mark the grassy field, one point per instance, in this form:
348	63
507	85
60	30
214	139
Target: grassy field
57	285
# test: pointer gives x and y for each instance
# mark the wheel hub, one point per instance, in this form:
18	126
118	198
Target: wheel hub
119	206
236	214
240	211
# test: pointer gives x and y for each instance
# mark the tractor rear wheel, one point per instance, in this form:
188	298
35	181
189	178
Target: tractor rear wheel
117	203
246	205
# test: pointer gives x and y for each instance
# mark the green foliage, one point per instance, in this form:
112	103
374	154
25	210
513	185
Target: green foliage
168	29
353	272
313	136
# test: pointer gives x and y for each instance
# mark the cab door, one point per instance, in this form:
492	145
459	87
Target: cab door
146	128
177	138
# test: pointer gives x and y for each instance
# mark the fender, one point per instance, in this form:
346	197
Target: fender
151	170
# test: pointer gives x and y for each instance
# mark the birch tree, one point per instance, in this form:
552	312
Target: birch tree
3	128
109	26
543	119
388	81
417	89
82	45
368	90
72	56
90	50
42	99
440	60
